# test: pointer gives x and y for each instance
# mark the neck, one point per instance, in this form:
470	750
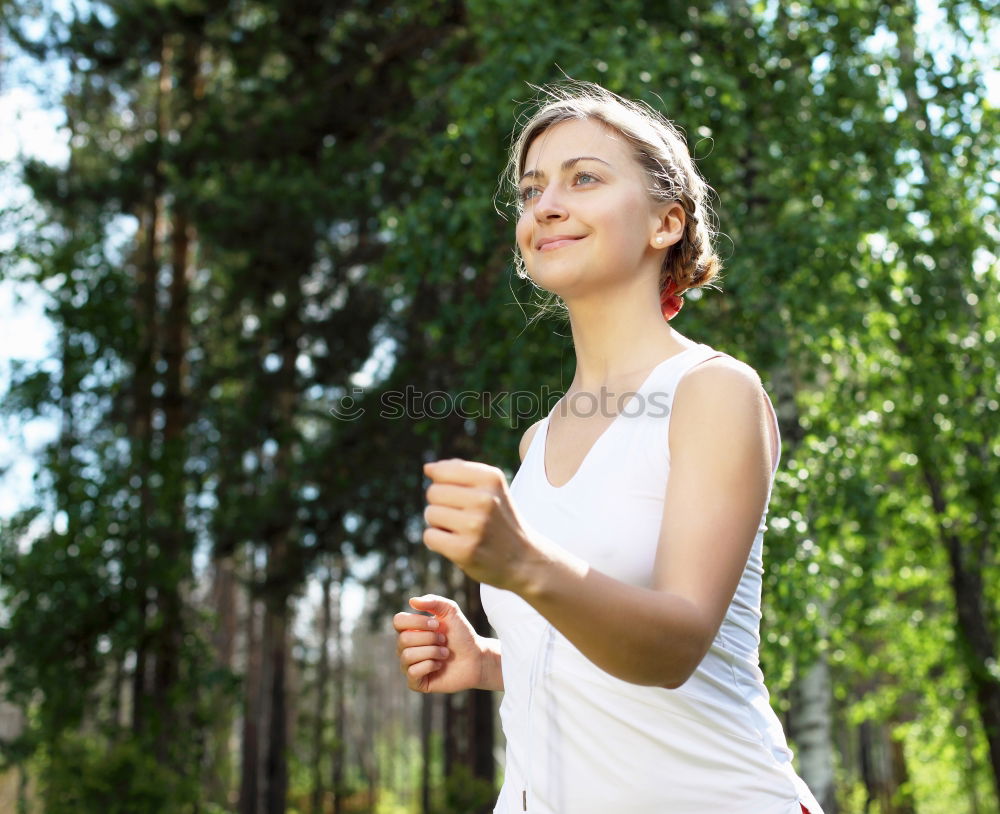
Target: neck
619	338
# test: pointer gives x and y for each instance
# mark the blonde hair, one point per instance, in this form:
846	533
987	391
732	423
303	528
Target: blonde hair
659	148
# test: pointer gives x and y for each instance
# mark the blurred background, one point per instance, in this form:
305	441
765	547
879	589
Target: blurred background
231	231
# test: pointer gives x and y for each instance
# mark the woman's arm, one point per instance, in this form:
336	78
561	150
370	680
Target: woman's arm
492	674
717	491
715	496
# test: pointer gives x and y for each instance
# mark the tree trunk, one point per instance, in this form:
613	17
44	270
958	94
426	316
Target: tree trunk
140	420
869	769
903	796
174	549
977	642
883	770
219	769
481	729
812	730
250	746
338	751
281	539
452	720
322	680
426	719
373	767
276	652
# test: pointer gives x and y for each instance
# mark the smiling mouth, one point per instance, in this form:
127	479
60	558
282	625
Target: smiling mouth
552	245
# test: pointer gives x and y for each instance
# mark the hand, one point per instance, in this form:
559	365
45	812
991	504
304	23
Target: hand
472	521
439	653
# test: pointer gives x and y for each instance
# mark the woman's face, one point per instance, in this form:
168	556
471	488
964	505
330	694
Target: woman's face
587	219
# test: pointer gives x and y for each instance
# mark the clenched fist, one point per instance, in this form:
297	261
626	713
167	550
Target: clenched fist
443	652
473	522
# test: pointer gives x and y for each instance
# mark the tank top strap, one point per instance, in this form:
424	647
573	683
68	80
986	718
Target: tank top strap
666	377
663	385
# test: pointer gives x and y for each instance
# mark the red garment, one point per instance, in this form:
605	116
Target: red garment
670	303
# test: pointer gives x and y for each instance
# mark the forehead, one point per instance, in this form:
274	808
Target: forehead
575	138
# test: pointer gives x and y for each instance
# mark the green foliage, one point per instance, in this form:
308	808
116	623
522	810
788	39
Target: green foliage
464	793
87	775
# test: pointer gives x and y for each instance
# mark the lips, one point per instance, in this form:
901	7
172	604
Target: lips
548	244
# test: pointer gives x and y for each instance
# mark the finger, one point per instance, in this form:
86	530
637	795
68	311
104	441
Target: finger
464	473
416	638
461	499
443	517
414	621
445	543
448	494
420	638
416	672
443	610
414	655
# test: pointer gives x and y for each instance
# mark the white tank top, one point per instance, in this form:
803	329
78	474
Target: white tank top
579	740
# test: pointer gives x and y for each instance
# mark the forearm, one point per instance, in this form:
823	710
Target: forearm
639	635
491	674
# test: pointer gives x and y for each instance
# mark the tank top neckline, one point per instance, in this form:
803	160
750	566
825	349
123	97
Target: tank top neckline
544	429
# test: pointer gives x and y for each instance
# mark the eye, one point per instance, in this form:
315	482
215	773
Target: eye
586	178
527	193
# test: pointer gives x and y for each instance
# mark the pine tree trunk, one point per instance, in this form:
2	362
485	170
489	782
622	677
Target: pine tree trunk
250	741
338	752
373	767
426	719
480	702
174	549
140	419
219	769
322	681
282	545
276	653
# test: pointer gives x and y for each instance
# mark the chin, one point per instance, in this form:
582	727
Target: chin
555	281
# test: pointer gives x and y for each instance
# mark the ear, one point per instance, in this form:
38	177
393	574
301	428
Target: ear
668	226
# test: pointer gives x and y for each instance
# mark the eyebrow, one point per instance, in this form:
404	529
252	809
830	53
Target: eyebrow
567	164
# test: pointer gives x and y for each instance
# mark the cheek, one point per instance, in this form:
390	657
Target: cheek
523	232
621	226
631	221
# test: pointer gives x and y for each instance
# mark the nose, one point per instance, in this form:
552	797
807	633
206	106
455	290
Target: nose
548	206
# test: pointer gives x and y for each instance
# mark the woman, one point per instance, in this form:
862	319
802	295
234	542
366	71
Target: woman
622	567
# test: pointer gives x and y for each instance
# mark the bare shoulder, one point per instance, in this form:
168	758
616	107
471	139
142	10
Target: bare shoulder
529	434
722	376
723	396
